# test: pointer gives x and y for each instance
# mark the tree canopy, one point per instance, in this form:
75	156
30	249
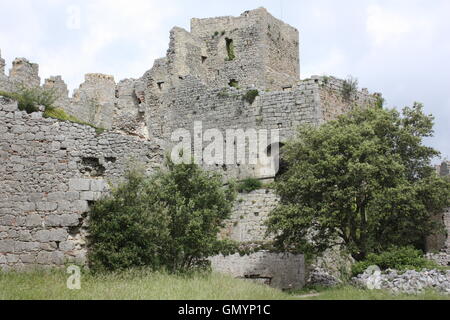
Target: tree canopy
364	180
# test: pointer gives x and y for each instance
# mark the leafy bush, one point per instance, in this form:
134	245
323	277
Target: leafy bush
349	88
398	258
230	50
233	83
251	95
365	178
249	185
30	99
167	221
379	103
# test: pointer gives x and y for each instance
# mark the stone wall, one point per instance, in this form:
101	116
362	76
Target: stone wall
51	171
438	245
249	214
246	226
279	270
310	101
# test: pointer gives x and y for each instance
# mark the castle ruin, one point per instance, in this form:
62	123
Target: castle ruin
52	171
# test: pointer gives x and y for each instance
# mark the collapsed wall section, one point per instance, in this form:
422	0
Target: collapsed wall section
51	171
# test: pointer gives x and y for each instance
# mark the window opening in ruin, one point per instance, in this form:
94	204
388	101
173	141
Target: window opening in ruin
281	165
204	59
230	49
92	167
233	83
160	85
111	159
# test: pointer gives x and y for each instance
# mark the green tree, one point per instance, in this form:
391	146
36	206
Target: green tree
167	221
364	180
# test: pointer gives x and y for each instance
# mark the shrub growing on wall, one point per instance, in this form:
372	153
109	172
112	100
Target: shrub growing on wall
249	185
167	221
29	99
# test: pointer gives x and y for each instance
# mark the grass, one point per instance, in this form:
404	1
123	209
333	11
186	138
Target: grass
46	285
146	285
29	100
60	114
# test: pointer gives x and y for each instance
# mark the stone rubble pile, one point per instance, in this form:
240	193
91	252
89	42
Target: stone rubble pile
410	282
321	277
441	258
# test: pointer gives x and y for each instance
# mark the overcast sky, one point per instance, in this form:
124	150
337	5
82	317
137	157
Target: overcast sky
398	47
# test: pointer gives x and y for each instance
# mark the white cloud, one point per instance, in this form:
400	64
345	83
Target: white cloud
388	25
332	63
106	29
384	25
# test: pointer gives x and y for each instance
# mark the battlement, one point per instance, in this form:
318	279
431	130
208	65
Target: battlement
94	77
25	72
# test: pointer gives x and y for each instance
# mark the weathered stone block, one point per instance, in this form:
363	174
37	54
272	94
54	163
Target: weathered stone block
80	206
58	235
8	220
24	235
33	220
98	185
79	185
28	258
44	257
46	206
87	195
12	258
72	196
55	196
66	246
70	220
22	246
42	236
7	246
53	220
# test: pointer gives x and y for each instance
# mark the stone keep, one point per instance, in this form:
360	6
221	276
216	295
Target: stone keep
52	171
